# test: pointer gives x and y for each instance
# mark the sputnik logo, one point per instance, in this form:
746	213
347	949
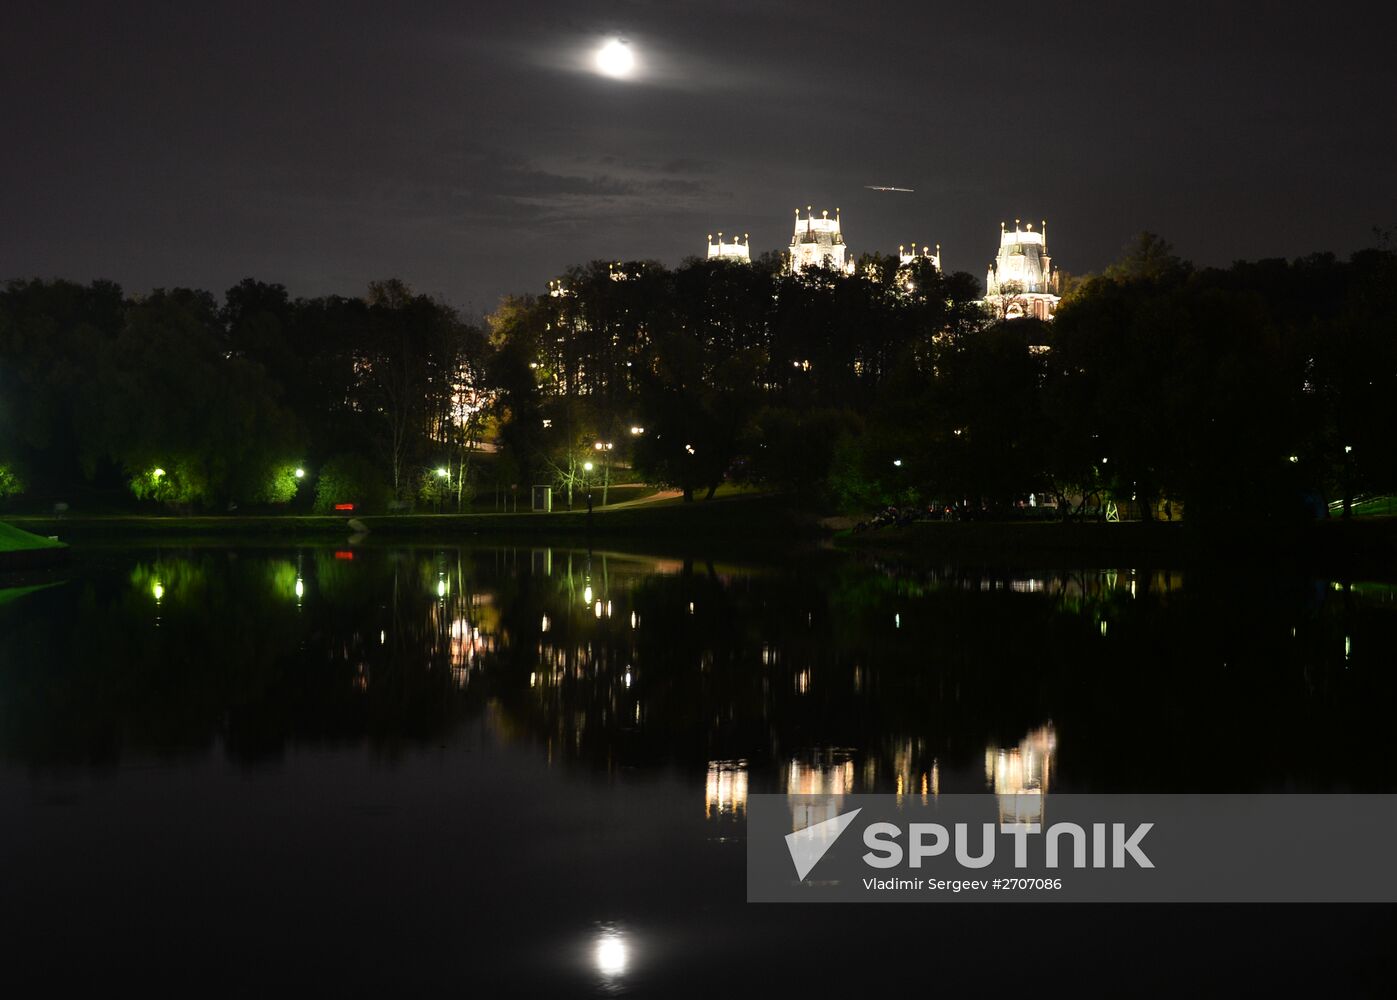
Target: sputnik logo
808	846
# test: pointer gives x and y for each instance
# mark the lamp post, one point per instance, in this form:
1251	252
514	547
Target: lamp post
1348	481
604	449
587	468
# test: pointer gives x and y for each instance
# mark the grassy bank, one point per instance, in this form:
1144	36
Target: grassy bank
734	516
23	550
14	539
1368	545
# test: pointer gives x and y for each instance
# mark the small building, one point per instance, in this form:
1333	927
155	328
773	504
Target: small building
819	243
908	254
1021	280
730	251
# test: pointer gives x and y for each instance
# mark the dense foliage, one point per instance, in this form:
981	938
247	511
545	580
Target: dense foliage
1240	390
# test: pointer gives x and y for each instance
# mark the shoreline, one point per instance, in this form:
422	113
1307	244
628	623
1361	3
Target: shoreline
1367	545
22	550
759	518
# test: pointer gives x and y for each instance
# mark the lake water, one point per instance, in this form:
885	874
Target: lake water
524	771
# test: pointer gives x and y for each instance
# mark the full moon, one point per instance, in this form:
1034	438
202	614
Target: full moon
615	59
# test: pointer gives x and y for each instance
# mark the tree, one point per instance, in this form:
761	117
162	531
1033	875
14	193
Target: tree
517	330
173	400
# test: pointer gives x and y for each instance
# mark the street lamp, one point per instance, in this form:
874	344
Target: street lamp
300	473
897	463
1348	482
603	447
586	466
445	476
157	472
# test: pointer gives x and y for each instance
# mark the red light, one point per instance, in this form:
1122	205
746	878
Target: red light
344	506
344	554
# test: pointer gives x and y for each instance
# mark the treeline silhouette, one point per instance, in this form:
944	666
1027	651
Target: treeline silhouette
1261	389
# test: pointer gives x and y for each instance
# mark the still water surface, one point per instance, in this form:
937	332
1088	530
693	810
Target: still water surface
417	771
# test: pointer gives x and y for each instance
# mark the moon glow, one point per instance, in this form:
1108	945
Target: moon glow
615	59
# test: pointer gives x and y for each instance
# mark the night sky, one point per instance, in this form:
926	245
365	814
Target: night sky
471	149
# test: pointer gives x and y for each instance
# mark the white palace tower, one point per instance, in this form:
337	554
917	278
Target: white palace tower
907	254
1021	280
819	243
730	251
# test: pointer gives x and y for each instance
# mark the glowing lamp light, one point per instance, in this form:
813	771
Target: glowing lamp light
615	59
157	472
442	473
300	588
157	590
300	473
897	463
587	466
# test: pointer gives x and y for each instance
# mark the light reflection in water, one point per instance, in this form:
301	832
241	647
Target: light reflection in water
911	780
1020	775
725	793
828	774
911	706
611	955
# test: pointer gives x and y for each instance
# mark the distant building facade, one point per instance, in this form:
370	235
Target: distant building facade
908	254
819	243
730	251
1021	280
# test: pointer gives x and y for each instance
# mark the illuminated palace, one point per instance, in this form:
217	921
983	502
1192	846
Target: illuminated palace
730	251
819	243
1021	280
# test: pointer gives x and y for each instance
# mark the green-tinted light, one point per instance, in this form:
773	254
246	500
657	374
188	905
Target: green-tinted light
300	473
158	472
